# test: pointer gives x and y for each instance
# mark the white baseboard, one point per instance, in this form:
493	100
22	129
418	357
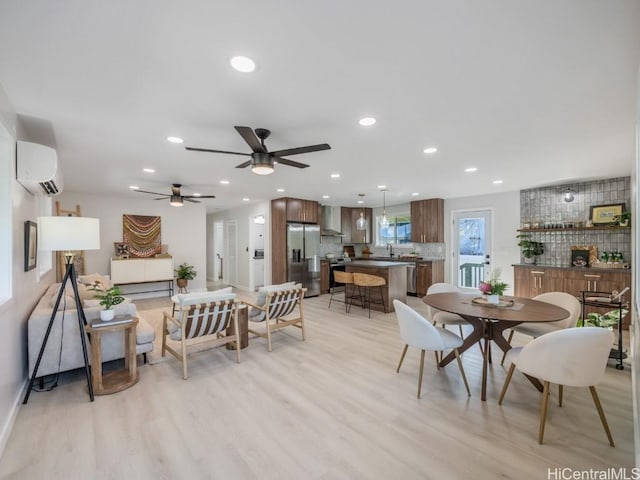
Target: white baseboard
5	433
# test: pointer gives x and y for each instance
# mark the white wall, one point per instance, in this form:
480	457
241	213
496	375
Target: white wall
182	229
27	289
243	216
505	222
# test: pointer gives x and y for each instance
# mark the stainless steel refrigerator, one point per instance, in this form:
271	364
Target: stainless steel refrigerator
303	256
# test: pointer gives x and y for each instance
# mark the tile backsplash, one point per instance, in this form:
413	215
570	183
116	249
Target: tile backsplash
547	206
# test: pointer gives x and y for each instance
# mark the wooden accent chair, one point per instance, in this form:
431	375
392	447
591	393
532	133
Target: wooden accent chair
200	319
279	311
574	357
415	330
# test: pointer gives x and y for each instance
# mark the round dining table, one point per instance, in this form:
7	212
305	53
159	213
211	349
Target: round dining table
490	321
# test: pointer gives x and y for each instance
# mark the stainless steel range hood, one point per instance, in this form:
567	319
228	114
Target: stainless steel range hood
330	221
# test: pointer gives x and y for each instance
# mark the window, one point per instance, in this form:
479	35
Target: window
45	262
7	149
397	233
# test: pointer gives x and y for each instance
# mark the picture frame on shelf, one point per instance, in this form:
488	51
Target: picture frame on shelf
30	245
580	258
605	214
122	249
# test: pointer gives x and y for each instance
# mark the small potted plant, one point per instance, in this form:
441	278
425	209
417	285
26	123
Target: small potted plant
623	220
108	299
530	248
494	287
184	273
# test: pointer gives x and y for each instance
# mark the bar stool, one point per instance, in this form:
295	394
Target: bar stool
366	281
342	278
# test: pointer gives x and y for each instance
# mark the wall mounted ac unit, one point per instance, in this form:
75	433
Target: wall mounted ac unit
37	168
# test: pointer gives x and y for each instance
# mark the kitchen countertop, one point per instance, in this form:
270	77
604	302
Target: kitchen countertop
378	263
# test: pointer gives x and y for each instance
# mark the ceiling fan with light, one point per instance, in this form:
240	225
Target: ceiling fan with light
262	160
176	199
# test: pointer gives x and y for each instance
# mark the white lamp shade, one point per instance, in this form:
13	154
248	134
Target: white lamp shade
68	233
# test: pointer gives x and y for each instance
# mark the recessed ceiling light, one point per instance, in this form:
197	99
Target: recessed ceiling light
134	187
335	175
148	170
380	187
367	121
197	194
470	169
243	64
360	201
280	190
497	182
224	182
325	196
245	199
415	194
175	139
430	150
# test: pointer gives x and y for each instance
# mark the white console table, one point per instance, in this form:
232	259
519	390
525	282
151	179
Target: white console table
143	270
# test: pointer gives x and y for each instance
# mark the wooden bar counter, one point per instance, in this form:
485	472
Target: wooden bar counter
395	275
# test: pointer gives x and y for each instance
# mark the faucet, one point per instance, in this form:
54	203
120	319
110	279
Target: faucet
390	248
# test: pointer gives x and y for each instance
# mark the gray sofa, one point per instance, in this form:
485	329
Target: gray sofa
64	348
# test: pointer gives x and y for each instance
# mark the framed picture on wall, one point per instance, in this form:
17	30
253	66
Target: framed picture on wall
605	214
580	258
30	245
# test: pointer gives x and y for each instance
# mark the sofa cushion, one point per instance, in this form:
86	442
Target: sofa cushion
94	278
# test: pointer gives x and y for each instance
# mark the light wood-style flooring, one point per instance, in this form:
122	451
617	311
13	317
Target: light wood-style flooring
331	407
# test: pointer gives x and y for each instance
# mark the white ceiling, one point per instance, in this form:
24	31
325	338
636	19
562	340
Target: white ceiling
533	93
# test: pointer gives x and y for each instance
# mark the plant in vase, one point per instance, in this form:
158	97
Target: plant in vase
623	220
530	248
494	287
184	273
108	299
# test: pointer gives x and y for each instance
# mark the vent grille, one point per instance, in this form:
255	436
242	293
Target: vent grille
49	188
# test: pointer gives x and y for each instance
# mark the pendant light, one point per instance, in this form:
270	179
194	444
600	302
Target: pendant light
384	221
361	223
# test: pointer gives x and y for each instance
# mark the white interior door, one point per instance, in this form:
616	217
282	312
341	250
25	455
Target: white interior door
230	273
471	247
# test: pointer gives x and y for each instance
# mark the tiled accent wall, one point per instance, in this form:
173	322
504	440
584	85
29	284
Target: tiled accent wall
546	205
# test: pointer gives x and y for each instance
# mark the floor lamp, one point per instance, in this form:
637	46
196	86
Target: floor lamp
67	234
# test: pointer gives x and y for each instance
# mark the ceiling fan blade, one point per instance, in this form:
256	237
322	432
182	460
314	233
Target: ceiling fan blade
291	163
250	137
198	196
299	150
195	149
161	198
244	165
190	200
152	193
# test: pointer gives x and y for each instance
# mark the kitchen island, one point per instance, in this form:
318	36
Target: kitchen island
394	274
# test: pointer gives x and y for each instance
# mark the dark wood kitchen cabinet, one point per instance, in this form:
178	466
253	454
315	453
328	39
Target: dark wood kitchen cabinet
428	273
303	211
324	276
427	221
529	282
350	232
285	210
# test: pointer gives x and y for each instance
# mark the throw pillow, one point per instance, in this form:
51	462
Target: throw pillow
89	280
258	315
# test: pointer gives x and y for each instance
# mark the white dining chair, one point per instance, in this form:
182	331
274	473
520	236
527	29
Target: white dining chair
416	331
574	357
536	329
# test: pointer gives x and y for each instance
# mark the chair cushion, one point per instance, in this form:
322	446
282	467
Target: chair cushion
537	329
196	298
200	297
512	355
256	315
450	339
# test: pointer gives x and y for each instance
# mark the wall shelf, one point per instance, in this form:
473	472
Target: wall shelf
576	229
